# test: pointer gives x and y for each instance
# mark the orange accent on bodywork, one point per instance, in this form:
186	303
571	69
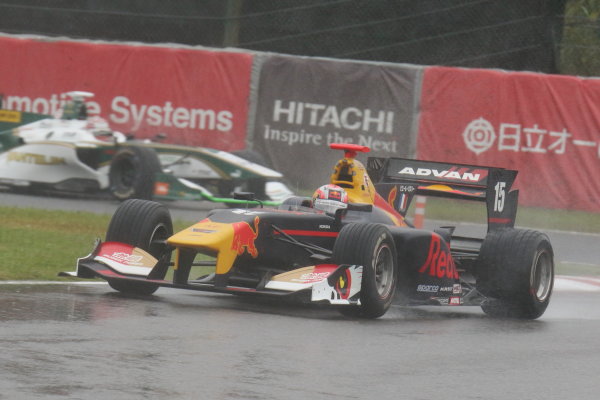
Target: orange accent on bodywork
392	196
446	188
389	210
161	188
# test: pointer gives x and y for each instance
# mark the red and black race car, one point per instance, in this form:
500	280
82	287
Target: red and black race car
349	246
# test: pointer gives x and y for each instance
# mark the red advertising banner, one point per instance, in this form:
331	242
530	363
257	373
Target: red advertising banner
545	126
197	97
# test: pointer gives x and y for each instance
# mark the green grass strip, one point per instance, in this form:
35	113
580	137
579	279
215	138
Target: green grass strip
37	244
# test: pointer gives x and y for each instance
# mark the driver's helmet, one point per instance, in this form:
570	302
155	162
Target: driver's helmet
330	198
74	109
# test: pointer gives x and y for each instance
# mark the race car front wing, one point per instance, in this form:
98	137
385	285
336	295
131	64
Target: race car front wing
323	283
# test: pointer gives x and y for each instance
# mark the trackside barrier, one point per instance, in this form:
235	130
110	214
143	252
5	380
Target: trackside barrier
545	126
287	107
198	96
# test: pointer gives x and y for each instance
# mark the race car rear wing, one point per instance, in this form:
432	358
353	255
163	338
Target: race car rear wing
398	180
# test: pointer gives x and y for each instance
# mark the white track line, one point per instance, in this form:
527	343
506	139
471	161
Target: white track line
577	283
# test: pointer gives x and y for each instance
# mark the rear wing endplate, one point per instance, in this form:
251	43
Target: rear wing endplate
398	180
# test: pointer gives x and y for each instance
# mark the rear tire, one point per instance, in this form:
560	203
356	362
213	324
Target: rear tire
515	270
133	172
144	224
373	247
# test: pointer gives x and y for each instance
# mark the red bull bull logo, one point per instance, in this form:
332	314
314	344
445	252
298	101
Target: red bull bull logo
244	237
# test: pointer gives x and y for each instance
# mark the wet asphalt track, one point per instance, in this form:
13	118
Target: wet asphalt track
89	342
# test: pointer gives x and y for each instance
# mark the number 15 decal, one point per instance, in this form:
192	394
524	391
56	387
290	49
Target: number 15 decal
500	196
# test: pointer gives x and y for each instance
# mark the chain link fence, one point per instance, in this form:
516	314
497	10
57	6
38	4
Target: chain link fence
553	36
580	48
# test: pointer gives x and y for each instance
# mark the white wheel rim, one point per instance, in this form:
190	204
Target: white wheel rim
384	271
541	276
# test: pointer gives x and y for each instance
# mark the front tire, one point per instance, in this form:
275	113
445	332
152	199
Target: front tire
144	224
515	270
373	247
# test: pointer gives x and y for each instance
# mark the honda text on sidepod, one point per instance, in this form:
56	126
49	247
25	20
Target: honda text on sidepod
357	257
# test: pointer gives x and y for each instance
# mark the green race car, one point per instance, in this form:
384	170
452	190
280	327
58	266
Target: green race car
80	154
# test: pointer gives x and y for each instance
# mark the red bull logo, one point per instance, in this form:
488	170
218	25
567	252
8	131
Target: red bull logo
244	237
335	195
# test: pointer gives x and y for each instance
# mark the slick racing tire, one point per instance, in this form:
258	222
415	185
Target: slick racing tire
144	224
133	172
372	246
515	271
